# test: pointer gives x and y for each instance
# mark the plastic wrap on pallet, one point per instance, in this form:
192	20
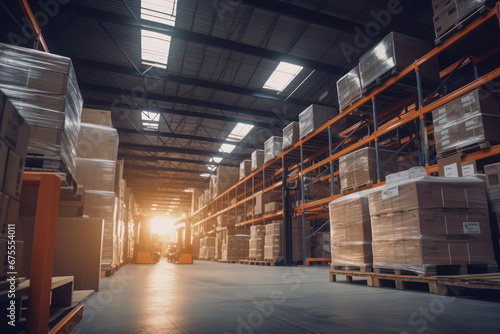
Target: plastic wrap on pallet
448	14
95	174
103	205
350	230
394	52
44	89
429	192
256	242
314	117
257	159
349	88
97	142
245	168
359	168
470	119
431	221
272	148
291	135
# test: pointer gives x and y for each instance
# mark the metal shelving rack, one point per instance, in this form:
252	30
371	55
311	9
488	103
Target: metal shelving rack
309	156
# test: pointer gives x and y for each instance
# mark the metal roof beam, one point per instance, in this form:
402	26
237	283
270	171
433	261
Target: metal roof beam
262	93
109	105
167	149
187	161
190	36
182	136
182	100
155	179
169	169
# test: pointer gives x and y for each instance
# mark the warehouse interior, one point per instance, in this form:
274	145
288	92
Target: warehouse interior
250	166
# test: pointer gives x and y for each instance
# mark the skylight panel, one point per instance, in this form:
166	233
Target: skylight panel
239	132
150	120
282	76
154	48
161	11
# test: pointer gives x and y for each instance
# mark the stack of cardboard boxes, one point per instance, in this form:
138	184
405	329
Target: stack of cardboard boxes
257	159
427	222
291	135
470	119
225	179
273	241
207	248
298	235
350	228
235	246
349	88
359	168
449	13
245	169
44	89
95	170
272	148
14	134
315	116
256	242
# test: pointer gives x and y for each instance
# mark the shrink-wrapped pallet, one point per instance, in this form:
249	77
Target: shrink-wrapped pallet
272	148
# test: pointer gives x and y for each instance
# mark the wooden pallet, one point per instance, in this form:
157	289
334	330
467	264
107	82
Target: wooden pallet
440	270
257	262
363	269
228	261
357	187
466	149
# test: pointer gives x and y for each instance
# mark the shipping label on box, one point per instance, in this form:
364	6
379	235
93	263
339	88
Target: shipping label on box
492	173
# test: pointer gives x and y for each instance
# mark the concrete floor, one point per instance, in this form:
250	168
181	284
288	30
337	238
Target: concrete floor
209	297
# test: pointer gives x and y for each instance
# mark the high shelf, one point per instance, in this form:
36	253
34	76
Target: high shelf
394	116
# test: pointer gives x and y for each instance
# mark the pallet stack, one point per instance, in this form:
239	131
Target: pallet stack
14	134
471	119
273	241
235	246
256	242
44	89
207	248
351	237
431	225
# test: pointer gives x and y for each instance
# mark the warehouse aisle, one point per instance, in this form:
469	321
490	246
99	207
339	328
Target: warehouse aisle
210	297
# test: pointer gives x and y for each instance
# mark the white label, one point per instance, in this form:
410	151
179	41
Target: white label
441	111
472	228
445	142
444	132
451	170
390	192
417	172
443	121
397	177
468	170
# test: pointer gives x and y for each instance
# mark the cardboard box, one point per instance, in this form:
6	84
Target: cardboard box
120	164
453	166
272	207
431	223
46	141
315	116
257	159
13	176
447	14
14	130
97	142
96	174
98	117
419	254
359	168
245	169
349	88
429	193
261	199
492	173
272	148
291	135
